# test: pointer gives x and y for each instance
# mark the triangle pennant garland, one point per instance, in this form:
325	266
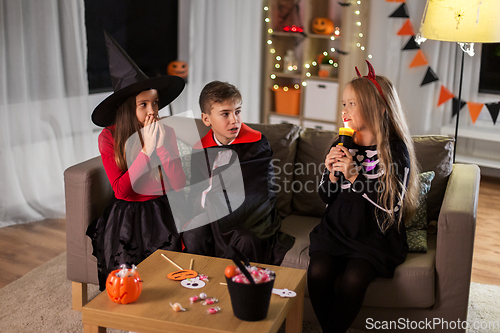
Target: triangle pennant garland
406	29
444	95
411	44
402	11
494	108
474	110
430	76
455	104
419	59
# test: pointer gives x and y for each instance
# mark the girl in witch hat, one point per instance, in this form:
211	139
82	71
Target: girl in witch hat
362	233
141	159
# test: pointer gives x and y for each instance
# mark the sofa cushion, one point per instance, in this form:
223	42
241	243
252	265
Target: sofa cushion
419	220
440	148
413	282
283	140
309	165
299	227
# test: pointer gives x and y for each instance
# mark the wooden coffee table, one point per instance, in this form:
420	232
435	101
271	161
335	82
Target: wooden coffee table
152	311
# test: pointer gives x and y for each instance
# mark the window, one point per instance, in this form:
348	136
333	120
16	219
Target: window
146	30
489	77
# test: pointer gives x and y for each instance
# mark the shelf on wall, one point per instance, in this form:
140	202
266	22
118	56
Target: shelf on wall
287	34
288	76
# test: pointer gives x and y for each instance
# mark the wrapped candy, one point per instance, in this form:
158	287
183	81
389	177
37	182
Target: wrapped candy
210	301
203	296
213	310
177	307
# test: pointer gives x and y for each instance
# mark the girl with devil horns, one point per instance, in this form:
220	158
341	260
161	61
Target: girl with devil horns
141	159
362	234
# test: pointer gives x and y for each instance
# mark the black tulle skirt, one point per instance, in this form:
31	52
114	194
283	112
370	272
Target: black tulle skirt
128	232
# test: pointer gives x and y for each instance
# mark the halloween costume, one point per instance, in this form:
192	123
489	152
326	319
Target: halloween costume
253	226
138	220
349	226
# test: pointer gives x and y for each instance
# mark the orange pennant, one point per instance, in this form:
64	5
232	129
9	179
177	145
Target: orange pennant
419	59
444	95
406	29
399	0
474	110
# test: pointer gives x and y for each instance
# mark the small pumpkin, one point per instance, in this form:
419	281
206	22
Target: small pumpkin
323	26
178	68
126	289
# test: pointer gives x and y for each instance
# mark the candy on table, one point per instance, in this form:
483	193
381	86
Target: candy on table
210	301
203	296
203	277
177	307
213	310
194	299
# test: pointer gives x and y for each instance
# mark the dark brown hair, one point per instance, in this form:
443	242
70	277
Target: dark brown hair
126	125
218	92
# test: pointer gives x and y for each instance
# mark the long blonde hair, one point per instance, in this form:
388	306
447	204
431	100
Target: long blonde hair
386	120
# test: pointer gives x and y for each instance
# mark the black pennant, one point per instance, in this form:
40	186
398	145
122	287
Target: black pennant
402	11
494	108
430	76
411	44
455	104
345	4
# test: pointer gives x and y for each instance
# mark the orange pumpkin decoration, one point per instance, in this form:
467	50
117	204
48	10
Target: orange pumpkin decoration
323	26
178	68
124	290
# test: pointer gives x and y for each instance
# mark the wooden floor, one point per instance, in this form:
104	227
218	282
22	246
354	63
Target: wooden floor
27	246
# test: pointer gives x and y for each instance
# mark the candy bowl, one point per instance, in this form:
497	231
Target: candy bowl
250	291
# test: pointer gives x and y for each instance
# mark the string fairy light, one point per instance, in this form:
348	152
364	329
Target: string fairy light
309	65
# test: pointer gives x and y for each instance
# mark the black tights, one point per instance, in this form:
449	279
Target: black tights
337	304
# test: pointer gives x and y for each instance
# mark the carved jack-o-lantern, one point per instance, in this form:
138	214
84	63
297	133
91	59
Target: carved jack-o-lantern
322	25
178	68
126	289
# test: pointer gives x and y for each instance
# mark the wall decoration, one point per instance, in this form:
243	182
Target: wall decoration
430	76
402	11
406	29
419	59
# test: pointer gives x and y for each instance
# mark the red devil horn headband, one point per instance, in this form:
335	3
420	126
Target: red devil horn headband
371	76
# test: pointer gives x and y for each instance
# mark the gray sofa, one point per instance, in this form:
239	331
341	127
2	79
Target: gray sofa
427	285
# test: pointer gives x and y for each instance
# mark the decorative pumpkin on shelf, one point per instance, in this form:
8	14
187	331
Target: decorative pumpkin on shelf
124	285
178	68
322	25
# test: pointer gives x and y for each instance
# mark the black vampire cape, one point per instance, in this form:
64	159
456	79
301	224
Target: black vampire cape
250	222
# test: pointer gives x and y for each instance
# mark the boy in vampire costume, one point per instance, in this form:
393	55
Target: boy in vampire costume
232	192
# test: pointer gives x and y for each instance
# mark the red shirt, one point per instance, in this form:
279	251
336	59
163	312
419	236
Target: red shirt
144	187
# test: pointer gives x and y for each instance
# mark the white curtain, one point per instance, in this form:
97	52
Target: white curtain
225	44
44	114
420	102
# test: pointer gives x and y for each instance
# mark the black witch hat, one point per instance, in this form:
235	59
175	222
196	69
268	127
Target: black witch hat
129	80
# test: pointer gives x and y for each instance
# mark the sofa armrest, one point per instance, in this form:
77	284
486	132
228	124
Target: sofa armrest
87	192
455	241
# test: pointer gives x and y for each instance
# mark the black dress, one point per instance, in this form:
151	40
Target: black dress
349	227
139	218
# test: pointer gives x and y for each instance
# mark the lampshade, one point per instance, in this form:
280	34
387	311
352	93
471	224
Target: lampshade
465	21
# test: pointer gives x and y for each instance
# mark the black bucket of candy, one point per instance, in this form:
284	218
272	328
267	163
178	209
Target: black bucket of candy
250	292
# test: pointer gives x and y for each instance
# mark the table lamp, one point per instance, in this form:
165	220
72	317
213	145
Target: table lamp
465	22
